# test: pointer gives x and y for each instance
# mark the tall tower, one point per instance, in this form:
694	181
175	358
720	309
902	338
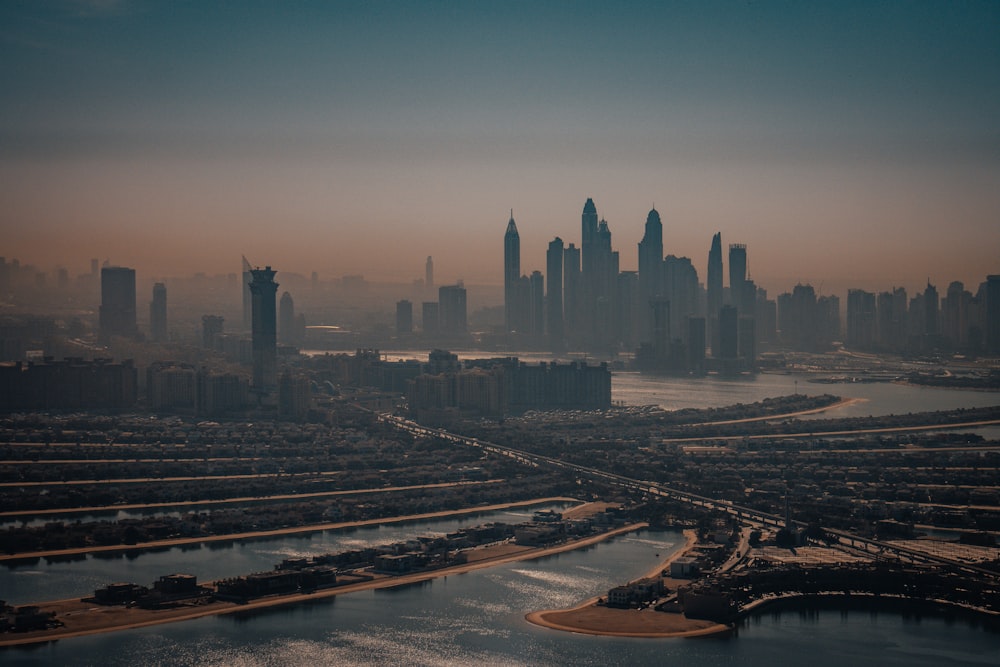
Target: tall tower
265	340
650	270
511	274
554	293
286	319
247	298
429	273
117	313
572	288
404	317
158	314
738	277
589	237
713	287
452	314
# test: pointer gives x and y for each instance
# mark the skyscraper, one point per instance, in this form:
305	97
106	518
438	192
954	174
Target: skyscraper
713	286
286	319
247	297
554	293
511	275
572	291
404	317
650	270
158	314
117	313
452	310
738	276
264	330
429	273
536	304
861	319
589	236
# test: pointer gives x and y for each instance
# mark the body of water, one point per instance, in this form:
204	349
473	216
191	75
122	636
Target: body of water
477	618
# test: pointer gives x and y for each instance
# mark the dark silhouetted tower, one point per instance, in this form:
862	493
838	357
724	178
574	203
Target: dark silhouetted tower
247	297
117	314
572	289
511	274
452	316
536	311
739	293
265	340
429	273
650	270
728	333
158	314
713	287
589	235
404	317
554	293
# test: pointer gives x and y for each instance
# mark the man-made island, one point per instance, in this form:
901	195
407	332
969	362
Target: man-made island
178	597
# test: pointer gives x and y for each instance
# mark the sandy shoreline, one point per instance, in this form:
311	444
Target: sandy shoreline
591	619
82	618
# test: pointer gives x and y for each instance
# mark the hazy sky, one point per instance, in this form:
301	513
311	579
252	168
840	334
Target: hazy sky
847	144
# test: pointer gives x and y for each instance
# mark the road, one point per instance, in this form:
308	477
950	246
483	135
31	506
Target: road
743	514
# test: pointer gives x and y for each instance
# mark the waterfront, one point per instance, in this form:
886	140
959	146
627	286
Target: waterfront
478	618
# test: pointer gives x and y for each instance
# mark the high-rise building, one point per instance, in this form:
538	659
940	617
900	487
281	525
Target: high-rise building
536	299
247	297
117	313
713	286
861	319
572	288
429	273
738	277
589	236
728	333
158	314
892	326
799	319
630	306
680	280
286	319
955	312
931	306
511	276
452	318
264	330
554	293
650	269
404	317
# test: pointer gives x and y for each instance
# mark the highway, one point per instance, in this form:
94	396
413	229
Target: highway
747	515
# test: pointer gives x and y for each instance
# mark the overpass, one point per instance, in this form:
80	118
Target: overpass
875	548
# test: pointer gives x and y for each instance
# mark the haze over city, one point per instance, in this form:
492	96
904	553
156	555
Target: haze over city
847	145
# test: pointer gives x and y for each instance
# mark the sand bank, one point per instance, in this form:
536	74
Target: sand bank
592	619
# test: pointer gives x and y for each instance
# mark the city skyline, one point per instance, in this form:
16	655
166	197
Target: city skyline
848	147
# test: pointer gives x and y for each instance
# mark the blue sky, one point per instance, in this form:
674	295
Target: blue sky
840	141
